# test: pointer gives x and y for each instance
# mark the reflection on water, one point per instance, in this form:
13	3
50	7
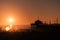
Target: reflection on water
14	28
11	26
7	28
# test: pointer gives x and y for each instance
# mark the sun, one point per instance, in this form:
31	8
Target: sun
9	27
10	20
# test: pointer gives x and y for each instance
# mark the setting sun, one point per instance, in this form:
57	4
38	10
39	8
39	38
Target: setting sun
10	20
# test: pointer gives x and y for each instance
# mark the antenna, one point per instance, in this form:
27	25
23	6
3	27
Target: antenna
57	20
45	22
49	21
38	18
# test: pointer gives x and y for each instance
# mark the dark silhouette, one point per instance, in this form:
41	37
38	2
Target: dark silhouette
37	31
39	26
38	22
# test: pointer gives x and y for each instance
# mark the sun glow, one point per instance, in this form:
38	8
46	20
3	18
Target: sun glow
10	26
7	28
10	20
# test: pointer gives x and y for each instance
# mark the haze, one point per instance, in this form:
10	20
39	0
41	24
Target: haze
25	12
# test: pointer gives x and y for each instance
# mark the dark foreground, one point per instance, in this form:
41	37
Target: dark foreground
21	35
40	32
25	35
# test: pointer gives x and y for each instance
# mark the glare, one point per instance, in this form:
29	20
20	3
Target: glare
10	26
7	28
11	20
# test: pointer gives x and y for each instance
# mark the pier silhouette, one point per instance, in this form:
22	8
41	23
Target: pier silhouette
37	30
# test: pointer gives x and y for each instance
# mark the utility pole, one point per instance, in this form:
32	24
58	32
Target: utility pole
57	20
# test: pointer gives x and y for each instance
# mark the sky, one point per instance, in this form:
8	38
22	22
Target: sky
25	12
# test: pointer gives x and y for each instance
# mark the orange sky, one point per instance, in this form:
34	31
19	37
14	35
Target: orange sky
25	12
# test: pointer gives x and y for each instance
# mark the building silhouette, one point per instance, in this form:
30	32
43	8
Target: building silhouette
36	25
40	26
